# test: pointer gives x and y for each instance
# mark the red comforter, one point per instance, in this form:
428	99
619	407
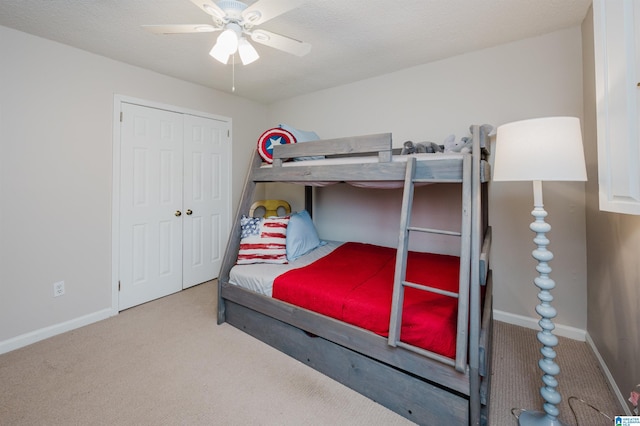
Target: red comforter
354	284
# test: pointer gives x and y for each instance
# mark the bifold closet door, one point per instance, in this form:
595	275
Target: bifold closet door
151	200
206	197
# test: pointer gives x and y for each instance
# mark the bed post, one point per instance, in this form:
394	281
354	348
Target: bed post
308	199
474	320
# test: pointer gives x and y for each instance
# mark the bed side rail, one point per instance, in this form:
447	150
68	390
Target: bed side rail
377	143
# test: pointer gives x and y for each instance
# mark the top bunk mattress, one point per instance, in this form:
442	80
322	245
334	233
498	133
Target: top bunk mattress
367	159
364	161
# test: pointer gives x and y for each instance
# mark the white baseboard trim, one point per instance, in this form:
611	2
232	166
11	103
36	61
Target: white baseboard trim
53	330
621	399
532	323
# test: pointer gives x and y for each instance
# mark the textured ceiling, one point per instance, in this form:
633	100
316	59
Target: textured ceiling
351	39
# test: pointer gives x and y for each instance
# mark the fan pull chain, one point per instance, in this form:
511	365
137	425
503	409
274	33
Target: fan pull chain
233	73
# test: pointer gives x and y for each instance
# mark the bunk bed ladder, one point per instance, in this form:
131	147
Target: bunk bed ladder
400	282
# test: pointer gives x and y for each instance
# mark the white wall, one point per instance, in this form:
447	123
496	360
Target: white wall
541	76
56	108
56	164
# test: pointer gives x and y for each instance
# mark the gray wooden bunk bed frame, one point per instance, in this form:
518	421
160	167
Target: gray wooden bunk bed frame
422	386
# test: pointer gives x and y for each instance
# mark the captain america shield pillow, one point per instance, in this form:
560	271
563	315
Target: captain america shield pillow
271	138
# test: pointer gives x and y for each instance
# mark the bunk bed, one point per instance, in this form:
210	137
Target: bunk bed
417	372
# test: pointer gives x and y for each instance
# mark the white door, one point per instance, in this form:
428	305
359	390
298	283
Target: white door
206	197
151	177
174	201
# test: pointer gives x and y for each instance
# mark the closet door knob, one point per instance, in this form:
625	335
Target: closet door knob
189	212
178	213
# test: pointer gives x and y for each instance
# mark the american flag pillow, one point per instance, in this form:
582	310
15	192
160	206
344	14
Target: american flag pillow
263	240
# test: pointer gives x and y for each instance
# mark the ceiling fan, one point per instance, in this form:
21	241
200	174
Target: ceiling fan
236	20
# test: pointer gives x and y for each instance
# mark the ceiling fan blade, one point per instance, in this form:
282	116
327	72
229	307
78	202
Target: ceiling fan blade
280	42
263	10
180	29
210	7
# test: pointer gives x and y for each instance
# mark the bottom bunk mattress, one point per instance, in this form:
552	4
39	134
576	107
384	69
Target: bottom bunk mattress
353	282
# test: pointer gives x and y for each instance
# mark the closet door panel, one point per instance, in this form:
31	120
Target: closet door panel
150	195
207	194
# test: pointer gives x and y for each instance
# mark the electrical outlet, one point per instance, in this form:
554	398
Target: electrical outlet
58	288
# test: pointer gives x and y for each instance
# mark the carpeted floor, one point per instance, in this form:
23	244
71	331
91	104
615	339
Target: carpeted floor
517	379
168	363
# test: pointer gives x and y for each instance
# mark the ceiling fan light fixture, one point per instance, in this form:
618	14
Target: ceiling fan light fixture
236	22
248	53
219	53
228	41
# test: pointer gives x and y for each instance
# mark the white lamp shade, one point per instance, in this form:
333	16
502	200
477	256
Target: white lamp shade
228	41
540	149
220	53
247	52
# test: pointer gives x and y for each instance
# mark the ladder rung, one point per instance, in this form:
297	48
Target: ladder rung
431	289
434	180
433	231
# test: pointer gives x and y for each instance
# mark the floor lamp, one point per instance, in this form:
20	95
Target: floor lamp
542	149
